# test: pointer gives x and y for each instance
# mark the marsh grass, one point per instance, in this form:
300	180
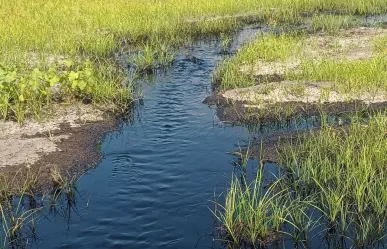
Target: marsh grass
343	168
279	53
16	209
63	27
332	184
251	215
36	32
380	45
155	55
23	204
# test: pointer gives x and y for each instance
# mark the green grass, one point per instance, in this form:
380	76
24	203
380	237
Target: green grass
331	23
35	32
345	169
332	180
380	45
252	216
69	27
347	76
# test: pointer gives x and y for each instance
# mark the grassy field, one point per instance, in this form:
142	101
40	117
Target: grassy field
94	27
41	35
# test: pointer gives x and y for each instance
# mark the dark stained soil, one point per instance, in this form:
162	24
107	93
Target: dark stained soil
74	156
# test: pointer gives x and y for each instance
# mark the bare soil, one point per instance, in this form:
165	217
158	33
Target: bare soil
68	141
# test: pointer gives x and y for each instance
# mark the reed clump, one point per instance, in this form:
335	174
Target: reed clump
252	216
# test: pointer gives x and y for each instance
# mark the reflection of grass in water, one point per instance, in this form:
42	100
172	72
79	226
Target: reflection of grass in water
63	184
20	205
15	214
332	180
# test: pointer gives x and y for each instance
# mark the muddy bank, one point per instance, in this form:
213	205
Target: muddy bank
241	112
67	141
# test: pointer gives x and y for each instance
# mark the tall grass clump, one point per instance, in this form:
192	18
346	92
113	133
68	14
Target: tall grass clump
380	45
251	215
345	169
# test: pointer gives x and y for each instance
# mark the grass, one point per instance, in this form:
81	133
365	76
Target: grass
38	32
68	27
332	24
238	71
22	204
332	181
345	169
252	216
347	76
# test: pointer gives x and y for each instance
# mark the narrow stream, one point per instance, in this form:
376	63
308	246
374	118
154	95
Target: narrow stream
154	187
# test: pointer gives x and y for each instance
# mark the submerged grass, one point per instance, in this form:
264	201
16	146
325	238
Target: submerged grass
22	204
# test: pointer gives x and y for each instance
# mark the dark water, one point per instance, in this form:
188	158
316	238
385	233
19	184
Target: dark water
154	186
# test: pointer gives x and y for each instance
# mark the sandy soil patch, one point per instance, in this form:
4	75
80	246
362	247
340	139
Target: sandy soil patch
302	92
20	145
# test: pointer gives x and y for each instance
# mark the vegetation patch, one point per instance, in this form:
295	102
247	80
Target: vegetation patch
332	181
308	70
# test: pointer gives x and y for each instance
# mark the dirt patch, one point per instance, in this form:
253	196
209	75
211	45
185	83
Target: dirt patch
67	141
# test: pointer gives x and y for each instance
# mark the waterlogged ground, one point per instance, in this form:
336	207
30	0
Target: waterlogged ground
161	170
